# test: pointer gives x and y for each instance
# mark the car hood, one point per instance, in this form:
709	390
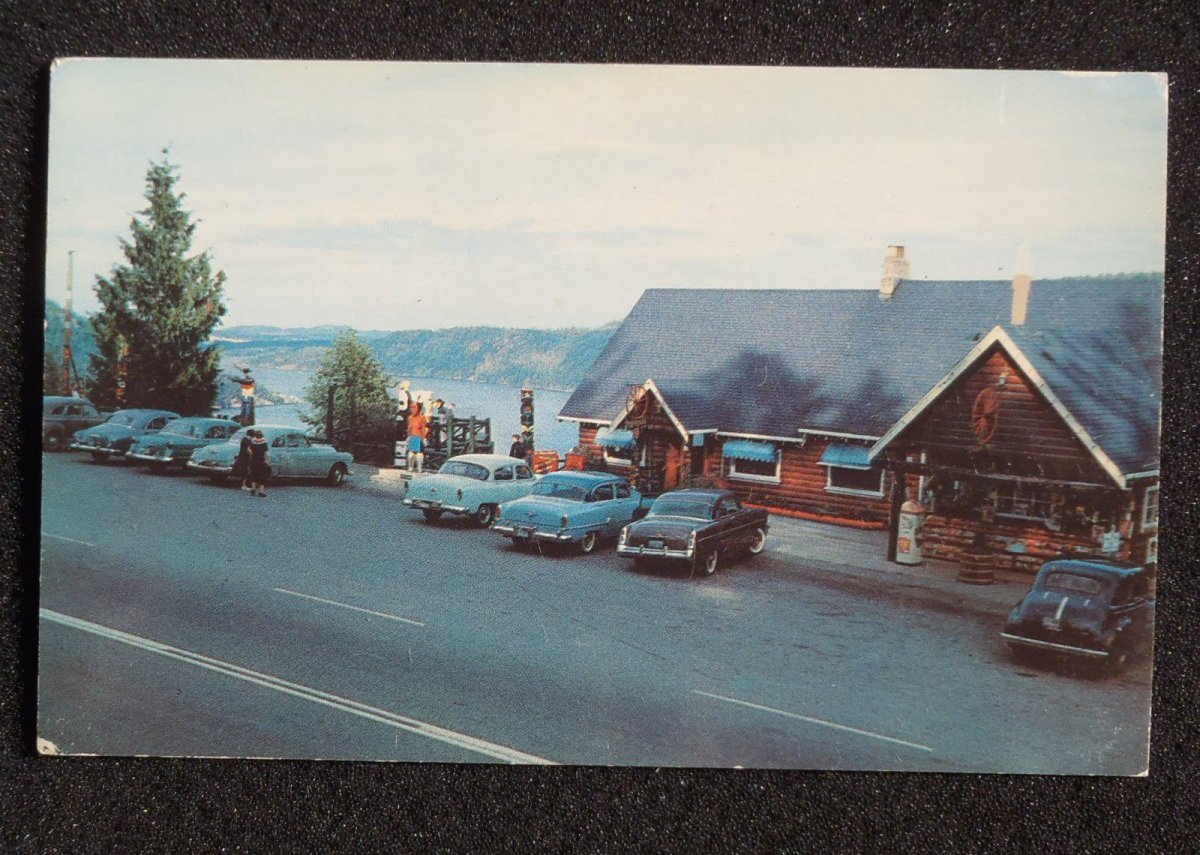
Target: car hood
110	432
664	528
221	452
544	510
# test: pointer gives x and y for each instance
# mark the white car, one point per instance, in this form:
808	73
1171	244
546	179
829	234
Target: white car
471	485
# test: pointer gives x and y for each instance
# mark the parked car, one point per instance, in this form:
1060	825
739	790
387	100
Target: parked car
173	445
471	485
116	435
695	526
1084	608
290	454
62	417
575	508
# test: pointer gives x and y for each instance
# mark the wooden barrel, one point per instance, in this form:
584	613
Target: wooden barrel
545	461
975	568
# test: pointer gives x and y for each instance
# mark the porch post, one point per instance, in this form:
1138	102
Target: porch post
899	482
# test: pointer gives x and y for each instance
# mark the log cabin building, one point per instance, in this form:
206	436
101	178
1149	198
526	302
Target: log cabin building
1021	415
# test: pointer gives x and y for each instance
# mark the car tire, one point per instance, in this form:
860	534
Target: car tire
706	565
431	515
485	516
337	475
52	441
758	542
1023	655
1117	662
587	543
97	457
520	544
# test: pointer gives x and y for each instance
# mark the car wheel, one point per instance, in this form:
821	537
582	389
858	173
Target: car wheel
337	474
758	541
1117	661
706	564
486	515
1023	655
431	515
52	442
97	457
587	544
520	543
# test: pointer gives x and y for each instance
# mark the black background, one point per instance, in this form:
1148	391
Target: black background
49	804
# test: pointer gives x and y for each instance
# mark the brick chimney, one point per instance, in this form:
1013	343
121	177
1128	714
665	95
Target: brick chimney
895	268
1021	286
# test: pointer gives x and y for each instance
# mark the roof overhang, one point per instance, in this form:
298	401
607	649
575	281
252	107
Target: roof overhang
651	387
998	336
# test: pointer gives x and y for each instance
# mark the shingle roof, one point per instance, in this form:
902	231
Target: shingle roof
845	361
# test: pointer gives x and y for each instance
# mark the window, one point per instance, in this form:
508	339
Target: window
524	473
295	440
726	507
1150	508
620	456
504	473
559	489
277	442
741	469
58	411
1071	583
858	482
604	493
216	432
464	470
75	410
623	491
157	423
1152	550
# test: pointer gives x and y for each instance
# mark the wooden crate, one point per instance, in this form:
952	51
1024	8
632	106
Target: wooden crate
545	461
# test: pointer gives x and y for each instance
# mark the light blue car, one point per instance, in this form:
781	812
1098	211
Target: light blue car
578	509
471	485
290	454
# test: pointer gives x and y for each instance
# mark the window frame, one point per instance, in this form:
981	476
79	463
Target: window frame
610	487
511	476
1153	524
830	487
524	473
623	486
729	465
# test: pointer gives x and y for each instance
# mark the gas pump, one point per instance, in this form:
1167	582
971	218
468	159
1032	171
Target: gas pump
908	532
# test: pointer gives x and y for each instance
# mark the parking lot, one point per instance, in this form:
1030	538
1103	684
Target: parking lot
184	618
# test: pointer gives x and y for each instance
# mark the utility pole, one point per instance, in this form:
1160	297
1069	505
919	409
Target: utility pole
67	356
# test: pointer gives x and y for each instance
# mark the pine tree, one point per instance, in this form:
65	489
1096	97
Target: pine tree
158	310
362	407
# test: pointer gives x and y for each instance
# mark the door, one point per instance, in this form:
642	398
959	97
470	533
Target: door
628	503
303	461
672	466
606	508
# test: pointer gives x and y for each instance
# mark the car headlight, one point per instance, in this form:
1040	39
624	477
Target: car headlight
624	536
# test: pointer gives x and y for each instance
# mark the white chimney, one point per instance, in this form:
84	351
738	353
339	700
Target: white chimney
895	268
1022	285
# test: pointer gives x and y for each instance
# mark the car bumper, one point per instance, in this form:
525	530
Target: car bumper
428	505
652	552
106	450
1038	643
211	468
154	458
528	533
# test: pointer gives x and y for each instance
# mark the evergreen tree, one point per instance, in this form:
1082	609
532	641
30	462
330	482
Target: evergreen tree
362	407
52	375
158	310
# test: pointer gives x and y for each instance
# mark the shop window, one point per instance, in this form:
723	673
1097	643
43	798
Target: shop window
1150	508
858	482
753	470
623	456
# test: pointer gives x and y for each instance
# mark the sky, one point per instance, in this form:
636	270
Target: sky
426	195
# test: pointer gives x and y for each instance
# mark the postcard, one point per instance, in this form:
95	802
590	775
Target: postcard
655	416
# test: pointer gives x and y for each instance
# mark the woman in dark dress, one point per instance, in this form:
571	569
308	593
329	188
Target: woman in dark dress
241	466
260	467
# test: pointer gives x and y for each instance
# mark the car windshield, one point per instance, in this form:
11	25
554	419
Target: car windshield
681	506
466	470
559	490
1072	583
177	429
120	419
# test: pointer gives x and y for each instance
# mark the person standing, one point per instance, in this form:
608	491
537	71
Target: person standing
241	465
417	430
517	449
260	467
440	424
404	404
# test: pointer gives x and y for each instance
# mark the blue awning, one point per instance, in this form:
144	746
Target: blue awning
846	456
615	438
747	449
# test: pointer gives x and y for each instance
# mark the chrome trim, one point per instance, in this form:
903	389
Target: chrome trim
1050	645
223	470
645	551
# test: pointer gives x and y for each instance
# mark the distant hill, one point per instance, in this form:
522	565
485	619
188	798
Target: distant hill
552	359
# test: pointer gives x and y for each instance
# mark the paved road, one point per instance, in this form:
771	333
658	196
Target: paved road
184	618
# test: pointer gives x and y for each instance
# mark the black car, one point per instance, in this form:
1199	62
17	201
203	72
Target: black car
63	416
1090	608
696	526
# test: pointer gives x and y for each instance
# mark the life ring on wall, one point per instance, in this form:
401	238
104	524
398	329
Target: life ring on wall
985	414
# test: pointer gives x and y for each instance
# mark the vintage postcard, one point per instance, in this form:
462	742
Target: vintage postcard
617	415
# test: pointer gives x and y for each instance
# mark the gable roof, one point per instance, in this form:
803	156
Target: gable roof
776	363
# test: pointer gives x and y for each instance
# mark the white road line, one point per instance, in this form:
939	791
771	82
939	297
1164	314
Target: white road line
819	721
347	606
382	716
67	539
